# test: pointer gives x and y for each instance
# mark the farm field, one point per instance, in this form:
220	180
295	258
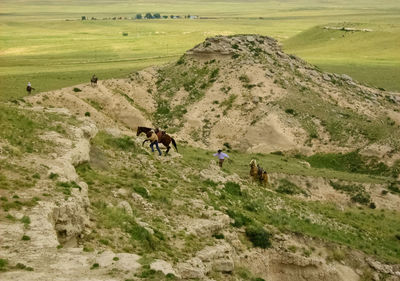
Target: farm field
39	44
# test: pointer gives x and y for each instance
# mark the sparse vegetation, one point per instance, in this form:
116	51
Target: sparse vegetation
287	187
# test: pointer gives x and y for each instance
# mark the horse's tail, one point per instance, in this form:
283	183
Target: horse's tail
174	143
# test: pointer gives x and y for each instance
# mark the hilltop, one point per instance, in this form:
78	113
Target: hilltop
82	199
244	92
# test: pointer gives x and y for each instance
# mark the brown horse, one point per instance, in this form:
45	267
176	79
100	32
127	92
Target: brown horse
163	137
258	173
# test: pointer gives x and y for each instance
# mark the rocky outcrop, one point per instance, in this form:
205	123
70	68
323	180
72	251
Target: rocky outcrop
282	266
163	266
218	258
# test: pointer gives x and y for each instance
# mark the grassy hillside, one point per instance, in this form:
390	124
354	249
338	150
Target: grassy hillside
371	57
249	207
39	45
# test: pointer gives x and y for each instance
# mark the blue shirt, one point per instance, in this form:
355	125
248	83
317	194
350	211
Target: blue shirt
221	155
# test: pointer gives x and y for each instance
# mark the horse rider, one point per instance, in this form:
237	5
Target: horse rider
221	156
260	172
154	141
29	88
93	80
157	130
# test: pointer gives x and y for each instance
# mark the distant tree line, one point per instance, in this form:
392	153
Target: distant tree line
146	16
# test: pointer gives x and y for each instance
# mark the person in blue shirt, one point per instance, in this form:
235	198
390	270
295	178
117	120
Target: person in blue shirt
221	156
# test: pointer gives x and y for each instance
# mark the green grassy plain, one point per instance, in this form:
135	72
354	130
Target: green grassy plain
370	57
45	42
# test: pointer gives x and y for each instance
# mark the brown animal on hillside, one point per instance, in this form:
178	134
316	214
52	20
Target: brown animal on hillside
163	138
258	173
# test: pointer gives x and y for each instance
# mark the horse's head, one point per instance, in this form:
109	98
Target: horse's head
253	163
139	131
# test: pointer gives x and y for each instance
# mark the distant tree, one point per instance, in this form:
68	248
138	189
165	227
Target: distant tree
165	17
138	16
148	16
171	16
157	16
83	17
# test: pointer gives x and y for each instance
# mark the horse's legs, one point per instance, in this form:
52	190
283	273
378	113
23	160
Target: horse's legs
168	148
144	142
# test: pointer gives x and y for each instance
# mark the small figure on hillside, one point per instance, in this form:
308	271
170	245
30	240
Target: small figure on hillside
221	156
93	80
262	175
29	88
154	141
258	173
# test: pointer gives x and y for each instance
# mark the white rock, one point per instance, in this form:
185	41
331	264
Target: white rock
105	259
126	207
192	269
163	266
128	262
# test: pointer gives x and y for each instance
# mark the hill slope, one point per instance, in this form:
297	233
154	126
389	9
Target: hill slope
243	91
82	199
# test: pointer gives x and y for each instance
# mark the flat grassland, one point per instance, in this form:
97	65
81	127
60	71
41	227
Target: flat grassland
47	43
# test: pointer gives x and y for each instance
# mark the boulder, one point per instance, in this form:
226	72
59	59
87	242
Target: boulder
126	207
192	269
163	266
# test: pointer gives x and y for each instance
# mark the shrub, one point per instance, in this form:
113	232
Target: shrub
53	176
76	90
25	238
180	61
290	111
23	266
95	266
361	197
36	176
218	236
214	74
394	187
227	145
233	188
209	182
124	33
244	78
3	264
287	187
141	191
26	220
239	219
258	236
87	114
372	205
